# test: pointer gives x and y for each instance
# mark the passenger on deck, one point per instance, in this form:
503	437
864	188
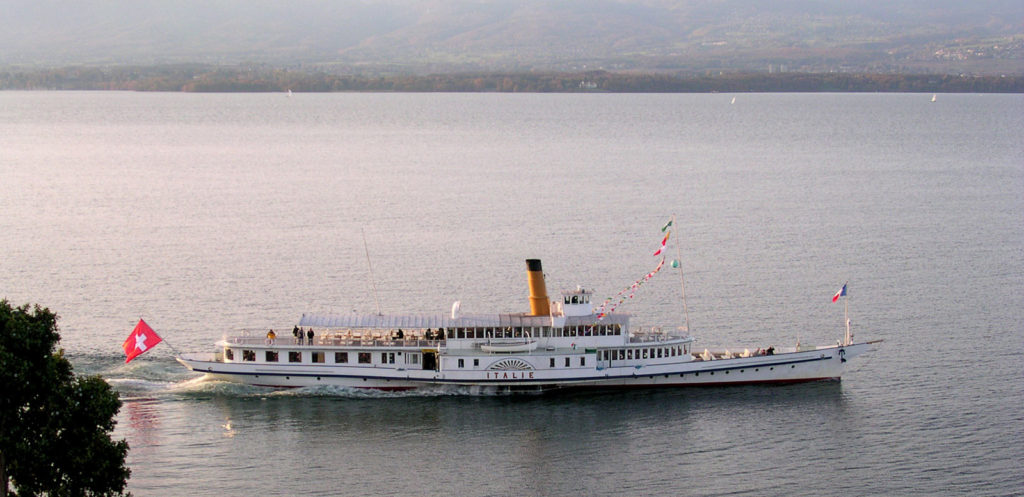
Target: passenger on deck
309	334
400	334
297	333
429	334
271	335
770	351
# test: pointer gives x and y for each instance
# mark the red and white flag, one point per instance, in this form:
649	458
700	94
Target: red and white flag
141	340
663	242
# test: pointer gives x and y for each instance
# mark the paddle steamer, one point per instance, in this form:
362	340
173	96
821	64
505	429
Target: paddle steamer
559	344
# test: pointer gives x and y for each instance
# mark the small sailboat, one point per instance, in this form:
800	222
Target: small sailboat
733	100
933	97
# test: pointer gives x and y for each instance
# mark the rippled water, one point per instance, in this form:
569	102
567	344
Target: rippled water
210	213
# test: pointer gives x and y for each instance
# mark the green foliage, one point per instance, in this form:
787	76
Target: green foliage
54	427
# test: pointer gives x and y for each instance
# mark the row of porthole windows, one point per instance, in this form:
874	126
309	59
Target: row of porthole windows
642	353
568	362
537	331
712	373
319	357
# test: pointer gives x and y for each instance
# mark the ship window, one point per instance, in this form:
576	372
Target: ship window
318	357
552	364
412	358
645	353
462	363
476	362
229	354
248	355
271	356
341	357
295	356
364	358
583	361
387	357
566	362
629	354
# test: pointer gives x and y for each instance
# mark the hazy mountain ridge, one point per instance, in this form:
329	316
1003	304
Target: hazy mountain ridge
465	35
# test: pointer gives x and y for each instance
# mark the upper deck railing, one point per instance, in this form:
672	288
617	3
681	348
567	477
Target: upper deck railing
361	338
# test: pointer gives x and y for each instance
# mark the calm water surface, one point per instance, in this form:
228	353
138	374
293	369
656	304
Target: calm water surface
213	213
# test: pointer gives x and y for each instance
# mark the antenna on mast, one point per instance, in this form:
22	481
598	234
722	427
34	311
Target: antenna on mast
370	266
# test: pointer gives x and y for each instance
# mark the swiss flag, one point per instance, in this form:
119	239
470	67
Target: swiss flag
141	340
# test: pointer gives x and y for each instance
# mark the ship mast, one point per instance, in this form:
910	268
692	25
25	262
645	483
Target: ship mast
370	267
682	284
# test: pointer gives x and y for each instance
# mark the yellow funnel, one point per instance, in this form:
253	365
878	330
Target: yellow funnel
539	303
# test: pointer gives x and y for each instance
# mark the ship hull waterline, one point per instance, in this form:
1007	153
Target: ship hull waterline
820	364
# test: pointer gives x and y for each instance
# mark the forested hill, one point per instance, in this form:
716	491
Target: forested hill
371	37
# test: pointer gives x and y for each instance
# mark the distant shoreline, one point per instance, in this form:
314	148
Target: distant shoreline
209	79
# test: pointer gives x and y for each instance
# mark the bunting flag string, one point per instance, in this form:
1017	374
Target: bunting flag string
628	292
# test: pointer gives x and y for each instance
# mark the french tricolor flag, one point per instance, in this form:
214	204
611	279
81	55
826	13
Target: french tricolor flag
840	293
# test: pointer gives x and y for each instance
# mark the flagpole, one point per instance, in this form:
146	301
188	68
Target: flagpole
370	266
846	316
173	349
682	284
164	340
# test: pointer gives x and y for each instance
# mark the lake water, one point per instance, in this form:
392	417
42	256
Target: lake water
205	214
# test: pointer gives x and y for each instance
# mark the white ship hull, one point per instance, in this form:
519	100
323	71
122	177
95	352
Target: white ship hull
820	364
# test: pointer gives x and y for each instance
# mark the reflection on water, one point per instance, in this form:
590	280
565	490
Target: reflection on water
526	443
143	422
